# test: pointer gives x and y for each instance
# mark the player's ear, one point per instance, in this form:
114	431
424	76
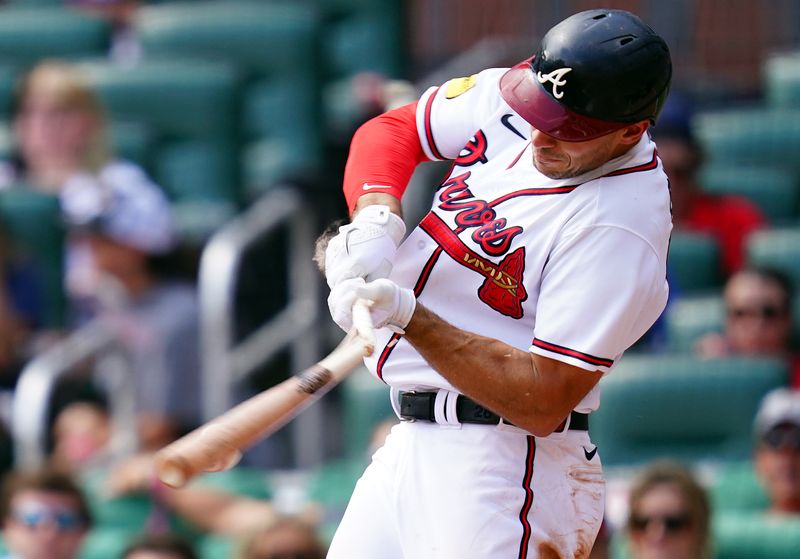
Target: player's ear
632	133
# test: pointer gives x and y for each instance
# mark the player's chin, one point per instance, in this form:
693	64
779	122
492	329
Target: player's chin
553	168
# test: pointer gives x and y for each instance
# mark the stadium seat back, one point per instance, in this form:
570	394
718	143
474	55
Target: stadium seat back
176	97
751	136
776	248
365	403
694	262
33	221
689	318
756	536
30	34
682	407
264	39
773	190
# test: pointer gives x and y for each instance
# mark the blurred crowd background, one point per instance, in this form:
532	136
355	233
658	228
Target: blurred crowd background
164	169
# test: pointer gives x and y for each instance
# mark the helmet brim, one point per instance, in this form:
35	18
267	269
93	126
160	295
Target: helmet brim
523	93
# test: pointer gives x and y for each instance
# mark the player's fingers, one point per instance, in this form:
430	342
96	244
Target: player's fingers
380	291
340	302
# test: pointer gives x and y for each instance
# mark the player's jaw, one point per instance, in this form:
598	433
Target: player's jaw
557	159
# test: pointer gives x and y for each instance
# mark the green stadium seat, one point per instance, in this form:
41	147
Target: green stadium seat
275	45
30	34
33	221
106	543
262	38
752	136
241	480
774	190
365	401
214	547
9	76
735	488
694	262
756	536
179	98
133	141
776	248
364	35
127	513
197	170
681	407
782	80
689	318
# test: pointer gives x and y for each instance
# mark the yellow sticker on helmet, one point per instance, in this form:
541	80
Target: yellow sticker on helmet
459	85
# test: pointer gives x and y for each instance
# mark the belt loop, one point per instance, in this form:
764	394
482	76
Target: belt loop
394	399
564	424
444	408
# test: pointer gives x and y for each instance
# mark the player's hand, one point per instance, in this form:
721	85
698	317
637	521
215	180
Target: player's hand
365	247
391	306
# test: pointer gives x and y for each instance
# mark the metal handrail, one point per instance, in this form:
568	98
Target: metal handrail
34	388
226	361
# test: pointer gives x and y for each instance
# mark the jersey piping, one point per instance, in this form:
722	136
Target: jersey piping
527	504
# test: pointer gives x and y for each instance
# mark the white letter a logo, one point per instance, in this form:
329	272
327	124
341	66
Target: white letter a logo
556	77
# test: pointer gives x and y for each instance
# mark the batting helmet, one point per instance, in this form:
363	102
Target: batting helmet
595	72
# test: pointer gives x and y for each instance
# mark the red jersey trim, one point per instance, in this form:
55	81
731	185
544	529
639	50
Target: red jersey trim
428	130
585	357
527	504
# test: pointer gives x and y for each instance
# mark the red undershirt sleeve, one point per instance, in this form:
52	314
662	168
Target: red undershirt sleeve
384	153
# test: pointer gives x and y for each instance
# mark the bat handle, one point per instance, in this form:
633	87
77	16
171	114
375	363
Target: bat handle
362	325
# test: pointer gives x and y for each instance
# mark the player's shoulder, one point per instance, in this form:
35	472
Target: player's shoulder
480	89
633	195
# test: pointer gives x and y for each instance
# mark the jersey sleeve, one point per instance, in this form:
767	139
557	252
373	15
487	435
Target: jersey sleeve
449	115
602	289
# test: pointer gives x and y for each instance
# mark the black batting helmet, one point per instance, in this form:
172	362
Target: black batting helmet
595	72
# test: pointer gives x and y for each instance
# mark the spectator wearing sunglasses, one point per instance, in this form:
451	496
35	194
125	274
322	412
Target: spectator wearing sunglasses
45	515
777	451
669	514
758	319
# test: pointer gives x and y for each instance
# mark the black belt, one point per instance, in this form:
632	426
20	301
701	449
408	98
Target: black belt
420	405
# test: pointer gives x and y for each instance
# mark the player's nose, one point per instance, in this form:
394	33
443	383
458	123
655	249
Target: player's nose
540	140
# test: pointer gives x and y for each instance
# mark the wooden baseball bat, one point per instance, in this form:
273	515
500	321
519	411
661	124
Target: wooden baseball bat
218	444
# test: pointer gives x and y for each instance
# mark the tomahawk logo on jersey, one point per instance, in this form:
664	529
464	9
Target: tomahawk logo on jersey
564	268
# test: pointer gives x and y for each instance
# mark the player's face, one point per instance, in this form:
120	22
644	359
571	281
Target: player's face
661	527
557	159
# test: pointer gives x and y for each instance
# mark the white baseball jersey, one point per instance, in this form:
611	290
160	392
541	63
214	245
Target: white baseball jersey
571	269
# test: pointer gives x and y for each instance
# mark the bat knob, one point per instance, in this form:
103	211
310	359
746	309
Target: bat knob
171	473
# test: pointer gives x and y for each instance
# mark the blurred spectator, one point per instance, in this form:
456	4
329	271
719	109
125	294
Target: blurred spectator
61	149
758	319
729	219
159	546
81	435
154	314
669	514
45	515
125	45
777	452
288	537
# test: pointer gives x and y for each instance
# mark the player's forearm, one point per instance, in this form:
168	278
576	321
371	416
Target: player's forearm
383	155
379	198
532	392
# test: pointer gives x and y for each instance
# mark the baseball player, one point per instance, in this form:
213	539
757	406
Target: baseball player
542	259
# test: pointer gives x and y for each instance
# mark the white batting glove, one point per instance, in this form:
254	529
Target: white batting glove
365	247
391	306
